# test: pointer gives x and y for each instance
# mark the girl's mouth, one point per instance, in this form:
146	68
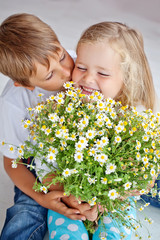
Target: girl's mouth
87	90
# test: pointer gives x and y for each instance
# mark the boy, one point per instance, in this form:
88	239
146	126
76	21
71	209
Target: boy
31	55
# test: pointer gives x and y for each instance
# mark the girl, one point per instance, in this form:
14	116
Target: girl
111	60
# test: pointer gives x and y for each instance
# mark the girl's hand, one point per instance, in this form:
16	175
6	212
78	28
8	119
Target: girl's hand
52	200
85	209
90	214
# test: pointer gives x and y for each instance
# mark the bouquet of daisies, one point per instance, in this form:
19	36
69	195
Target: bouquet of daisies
98	149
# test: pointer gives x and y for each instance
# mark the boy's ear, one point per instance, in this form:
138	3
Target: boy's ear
16	84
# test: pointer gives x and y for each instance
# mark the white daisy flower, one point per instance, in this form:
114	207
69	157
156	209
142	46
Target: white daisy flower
104	180
63	143
51	158
83	141
67	172
2	142
78	157
90	134
145	138
153	144
145	176
47	131
52	97
100	133
102	158
104	141
92	152
60	95
146	150
91	180
69	109
138	156
111	167
92	202
127	185
11	148
152	125
14	164
53	150
53	117
58	133
70	93
112	194
143	191
83	123
90	106
68	85
40	145
152	172
141	209
40	94
38	108
144	160
118	139
59	100
119	128
43	189
147	204
74	171
100	104
20	152
61	119
73	137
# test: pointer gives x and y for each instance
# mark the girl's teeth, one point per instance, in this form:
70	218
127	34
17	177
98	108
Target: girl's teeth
87	89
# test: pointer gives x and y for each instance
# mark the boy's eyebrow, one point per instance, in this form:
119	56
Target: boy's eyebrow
61	53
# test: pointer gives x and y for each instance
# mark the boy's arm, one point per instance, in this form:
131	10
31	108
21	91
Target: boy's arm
24	180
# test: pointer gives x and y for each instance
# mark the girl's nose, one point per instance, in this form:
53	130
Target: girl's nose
88	77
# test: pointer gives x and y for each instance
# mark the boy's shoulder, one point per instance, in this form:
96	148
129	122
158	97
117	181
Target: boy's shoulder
21	97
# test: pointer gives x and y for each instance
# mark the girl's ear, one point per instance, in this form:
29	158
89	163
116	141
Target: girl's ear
16	84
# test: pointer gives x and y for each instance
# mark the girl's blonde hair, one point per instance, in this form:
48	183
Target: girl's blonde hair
24	40
138	85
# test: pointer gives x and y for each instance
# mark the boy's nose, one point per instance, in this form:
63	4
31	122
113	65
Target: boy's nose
66	71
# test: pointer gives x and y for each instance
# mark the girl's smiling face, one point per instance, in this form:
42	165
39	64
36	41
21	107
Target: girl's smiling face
97	68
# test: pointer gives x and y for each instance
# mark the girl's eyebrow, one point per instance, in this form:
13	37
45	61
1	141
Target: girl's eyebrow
102	68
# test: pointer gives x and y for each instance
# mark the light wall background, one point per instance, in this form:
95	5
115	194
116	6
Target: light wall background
69	18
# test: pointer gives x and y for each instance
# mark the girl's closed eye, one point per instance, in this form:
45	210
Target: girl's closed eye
103	74
81	68
50	75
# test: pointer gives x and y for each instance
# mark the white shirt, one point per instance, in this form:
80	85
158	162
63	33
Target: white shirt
14	102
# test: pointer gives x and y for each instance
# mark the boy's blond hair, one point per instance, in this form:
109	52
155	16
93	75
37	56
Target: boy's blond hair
138	85
24	40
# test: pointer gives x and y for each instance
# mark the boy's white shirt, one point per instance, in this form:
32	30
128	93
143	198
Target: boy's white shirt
14	102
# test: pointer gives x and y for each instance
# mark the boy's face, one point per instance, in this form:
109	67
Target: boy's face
97	68
59	72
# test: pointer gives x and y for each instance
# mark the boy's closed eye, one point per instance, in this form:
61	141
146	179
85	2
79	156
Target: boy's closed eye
50	75
62	57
